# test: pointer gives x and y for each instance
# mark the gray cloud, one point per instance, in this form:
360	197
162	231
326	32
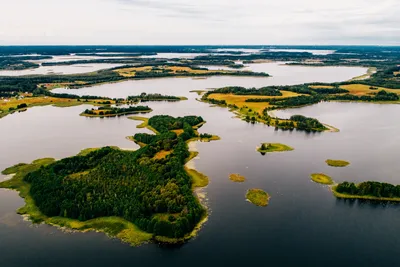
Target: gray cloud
200	22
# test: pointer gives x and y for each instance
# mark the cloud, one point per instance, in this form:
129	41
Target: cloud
200	22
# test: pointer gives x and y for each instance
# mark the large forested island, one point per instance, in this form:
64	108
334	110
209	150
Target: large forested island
133	195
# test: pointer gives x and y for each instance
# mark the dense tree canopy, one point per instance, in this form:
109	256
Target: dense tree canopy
153	193
375	189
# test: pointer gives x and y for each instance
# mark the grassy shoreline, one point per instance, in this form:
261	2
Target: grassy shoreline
337	163
321	178
347	196
83	114
114	227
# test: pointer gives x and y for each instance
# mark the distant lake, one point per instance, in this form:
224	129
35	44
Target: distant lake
281	75
314	52
67	69
304	224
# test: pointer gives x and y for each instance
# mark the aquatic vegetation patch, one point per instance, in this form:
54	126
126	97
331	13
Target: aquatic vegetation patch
321	178
235	177
337	163
258	197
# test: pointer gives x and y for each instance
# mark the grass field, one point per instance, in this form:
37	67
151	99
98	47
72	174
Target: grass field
321	178
361	89
337	163
198	179
51	86
144	124
321	86
258	197
239	100
235	177
162	154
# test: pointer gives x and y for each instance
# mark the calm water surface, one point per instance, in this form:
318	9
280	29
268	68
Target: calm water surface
281	75
304	225
68	69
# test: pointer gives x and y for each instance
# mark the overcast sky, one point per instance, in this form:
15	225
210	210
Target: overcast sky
200	22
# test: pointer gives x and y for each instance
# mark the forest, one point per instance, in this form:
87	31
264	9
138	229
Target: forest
306	123
20	62
382	95
143	97
370	188
155	194
238	90
112	111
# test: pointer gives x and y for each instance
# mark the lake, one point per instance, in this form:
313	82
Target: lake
304	224
281	75
59	69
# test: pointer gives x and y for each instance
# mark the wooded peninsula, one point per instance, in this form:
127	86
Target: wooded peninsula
117	191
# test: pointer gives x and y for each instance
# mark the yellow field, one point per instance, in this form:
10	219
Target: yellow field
239	100
131	72
50	86
178	132
361	89
198	178
162	154
321	86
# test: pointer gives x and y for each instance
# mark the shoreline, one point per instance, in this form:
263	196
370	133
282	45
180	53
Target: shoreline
346	196
83	114
130	234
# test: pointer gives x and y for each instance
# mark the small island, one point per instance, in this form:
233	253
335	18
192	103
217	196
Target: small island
258	197
205	137
144	97
119	192
367	190
107	111
321	178
237	178
273	147
337	163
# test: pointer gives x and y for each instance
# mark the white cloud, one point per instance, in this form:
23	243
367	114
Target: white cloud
199	22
